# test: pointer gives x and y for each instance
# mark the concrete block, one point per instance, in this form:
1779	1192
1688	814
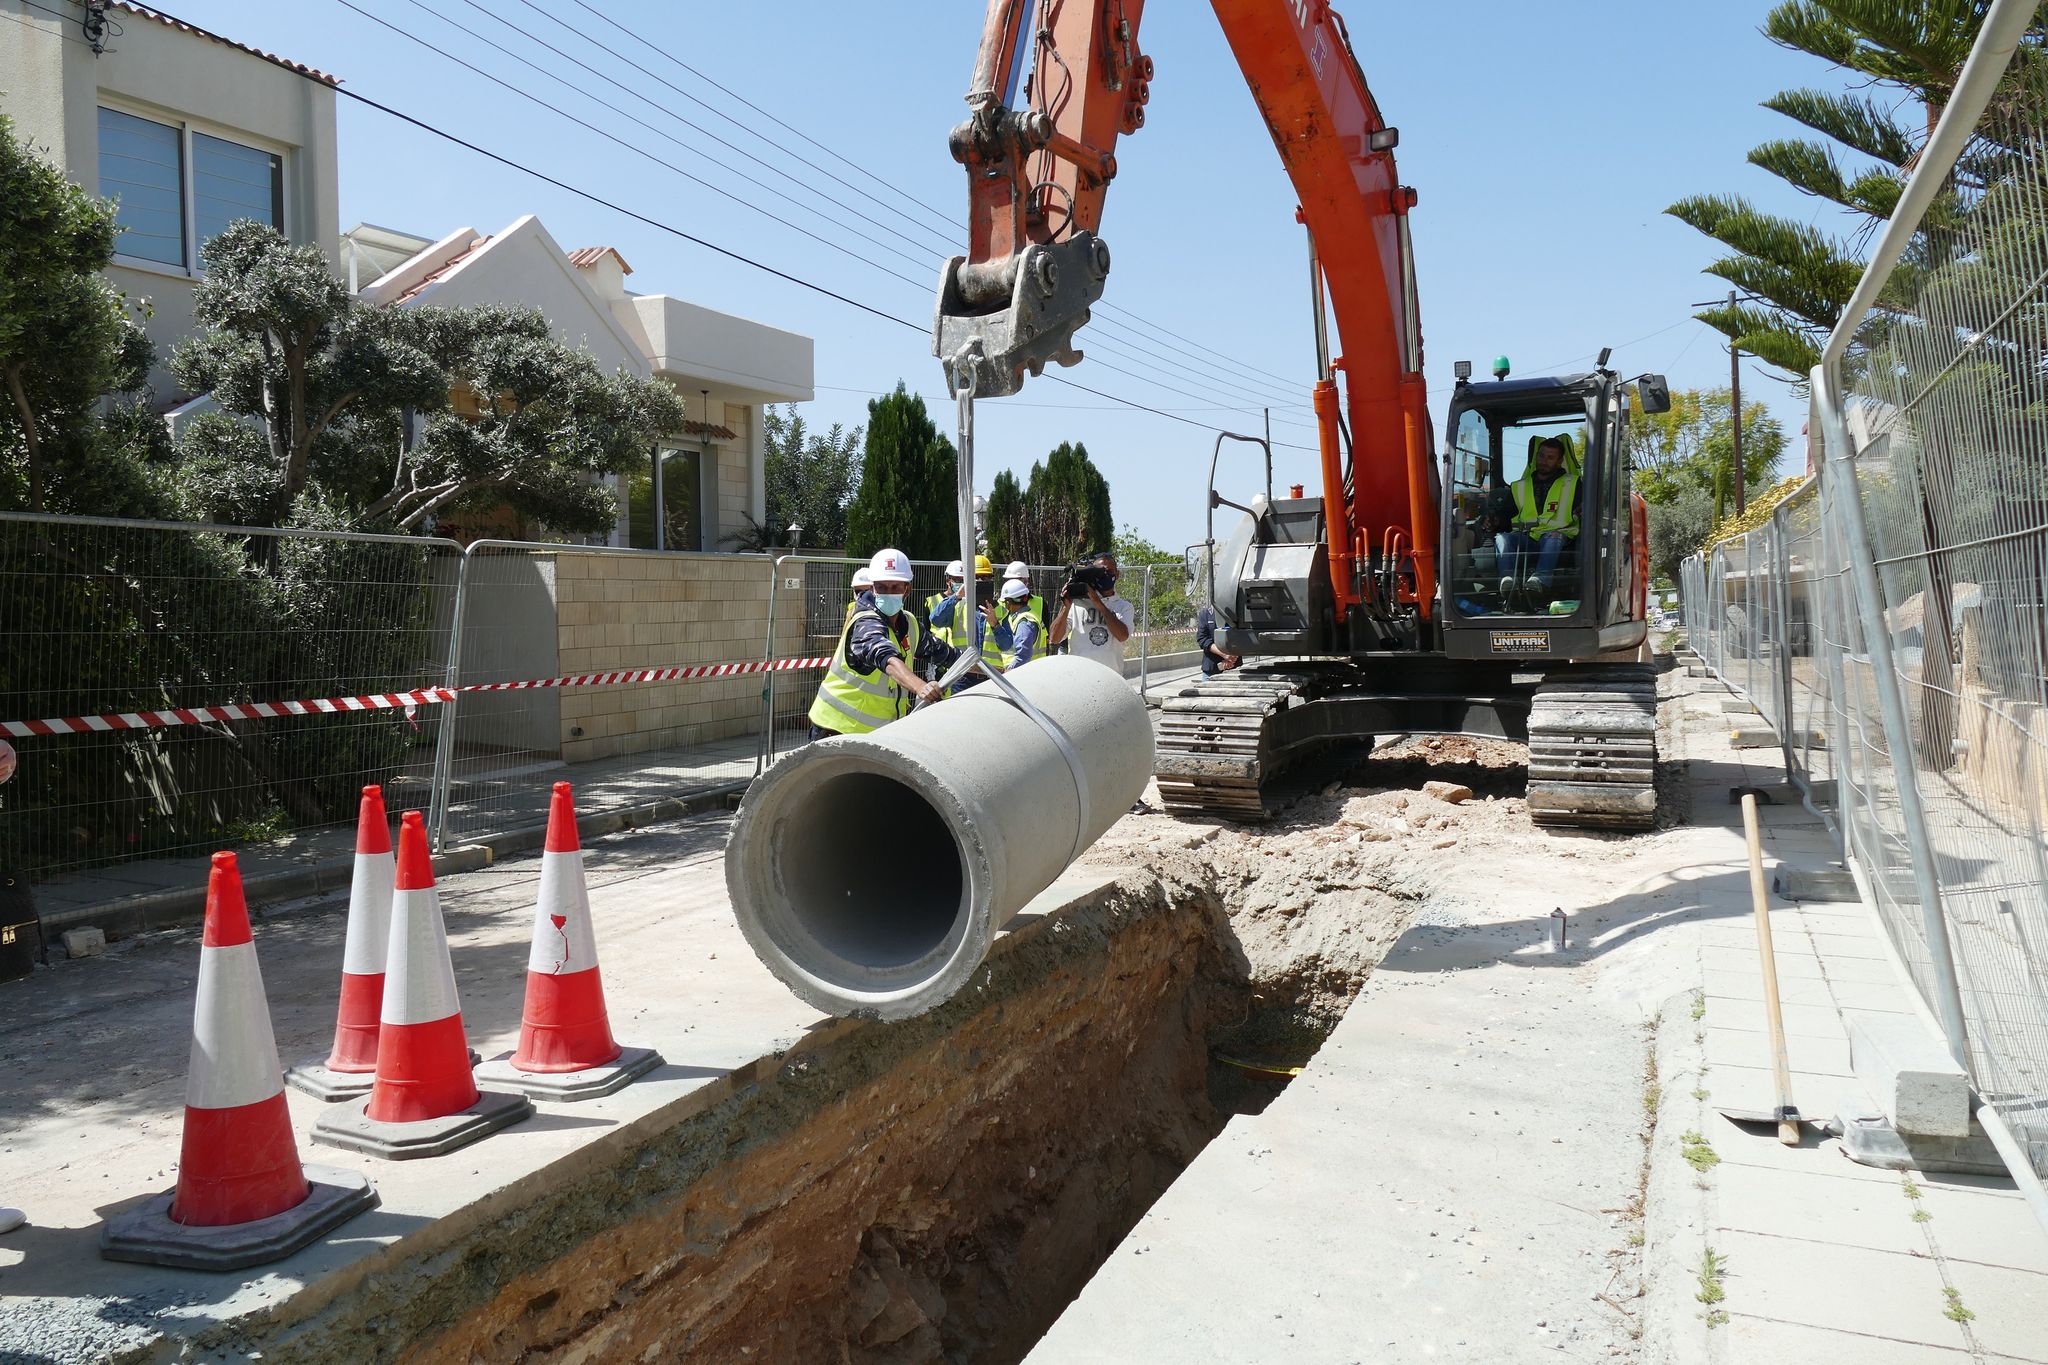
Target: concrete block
1910	1074
1737	706
1752	737
87	942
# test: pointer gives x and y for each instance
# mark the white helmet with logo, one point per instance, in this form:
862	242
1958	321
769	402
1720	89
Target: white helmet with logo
1018	569
862	579
956	570
1016	590
889	566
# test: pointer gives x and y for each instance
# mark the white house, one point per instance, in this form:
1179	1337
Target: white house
190	131
705	479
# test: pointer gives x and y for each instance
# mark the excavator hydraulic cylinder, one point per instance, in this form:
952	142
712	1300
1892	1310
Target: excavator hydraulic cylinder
871	872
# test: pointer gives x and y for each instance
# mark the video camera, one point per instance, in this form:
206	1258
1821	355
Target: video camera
1085	574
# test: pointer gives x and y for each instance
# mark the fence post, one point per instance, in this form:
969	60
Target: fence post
444	742
1784	594
1145	624
764	753
1898	737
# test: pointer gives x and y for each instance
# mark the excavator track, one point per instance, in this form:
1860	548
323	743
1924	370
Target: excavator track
1221	747
1593	747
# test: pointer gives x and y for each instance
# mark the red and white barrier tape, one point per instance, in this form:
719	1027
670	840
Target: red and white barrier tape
381	701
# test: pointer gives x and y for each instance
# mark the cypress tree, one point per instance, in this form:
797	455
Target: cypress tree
906	493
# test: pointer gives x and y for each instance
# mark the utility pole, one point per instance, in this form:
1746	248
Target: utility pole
1735	407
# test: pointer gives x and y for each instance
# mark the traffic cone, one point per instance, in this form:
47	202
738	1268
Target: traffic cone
242	1197
425	1101
566	1050
350	1068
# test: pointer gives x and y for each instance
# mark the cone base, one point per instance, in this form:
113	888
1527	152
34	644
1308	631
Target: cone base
566	1087
314	1077
146	1233
350	1127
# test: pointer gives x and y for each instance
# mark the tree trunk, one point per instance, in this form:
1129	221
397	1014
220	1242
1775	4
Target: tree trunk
30	438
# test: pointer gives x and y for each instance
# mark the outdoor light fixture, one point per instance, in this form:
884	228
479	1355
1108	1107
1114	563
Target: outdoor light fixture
796	535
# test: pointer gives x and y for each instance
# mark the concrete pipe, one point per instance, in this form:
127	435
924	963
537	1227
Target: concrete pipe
871	872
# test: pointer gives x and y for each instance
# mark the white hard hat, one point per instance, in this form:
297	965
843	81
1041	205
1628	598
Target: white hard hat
1016	590
889	566
863	579
1018	569
956	570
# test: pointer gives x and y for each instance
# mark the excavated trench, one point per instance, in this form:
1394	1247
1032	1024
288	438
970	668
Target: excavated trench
938	1189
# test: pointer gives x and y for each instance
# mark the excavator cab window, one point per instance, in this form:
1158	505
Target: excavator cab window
1503	558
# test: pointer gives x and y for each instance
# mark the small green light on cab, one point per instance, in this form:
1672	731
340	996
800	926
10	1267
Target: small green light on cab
1500	367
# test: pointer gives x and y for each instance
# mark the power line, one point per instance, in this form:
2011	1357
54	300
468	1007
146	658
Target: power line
949	245
622	142
950	221
671	230
922	262
953	224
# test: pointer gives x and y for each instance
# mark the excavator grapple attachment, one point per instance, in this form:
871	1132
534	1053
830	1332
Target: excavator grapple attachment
1023	311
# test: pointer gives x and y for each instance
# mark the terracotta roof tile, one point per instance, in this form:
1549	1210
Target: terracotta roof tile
585	256
439	272
711	430
143	12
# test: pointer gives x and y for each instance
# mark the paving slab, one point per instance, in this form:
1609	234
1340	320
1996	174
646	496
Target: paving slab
1844	1288
1776	1202
2011	1308
1991	1224
1740	1047
1813	1021
1749	1338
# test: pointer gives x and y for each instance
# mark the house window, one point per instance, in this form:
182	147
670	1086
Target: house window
230	181
673	481
178	188
142	165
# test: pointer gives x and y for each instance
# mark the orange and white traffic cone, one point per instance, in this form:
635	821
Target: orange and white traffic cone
350	1068
425	1101
566	1050
242	1196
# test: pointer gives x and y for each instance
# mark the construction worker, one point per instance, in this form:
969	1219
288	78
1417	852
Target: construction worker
1020	572
861	584
1546	521
872	679
991	633
1026	629
954	571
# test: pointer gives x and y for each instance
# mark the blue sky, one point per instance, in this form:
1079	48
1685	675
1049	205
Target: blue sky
1544	140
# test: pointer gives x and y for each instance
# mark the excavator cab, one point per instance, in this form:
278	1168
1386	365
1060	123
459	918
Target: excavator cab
1539	538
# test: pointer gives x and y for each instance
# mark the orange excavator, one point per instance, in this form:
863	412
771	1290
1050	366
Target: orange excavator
1495	588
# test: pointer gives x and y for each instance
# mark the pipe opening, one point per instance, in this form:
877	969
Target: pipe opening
880	882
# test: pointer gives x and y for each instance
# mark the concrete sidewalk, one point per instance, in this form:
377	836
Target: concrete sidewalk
1468	1170
1817	1255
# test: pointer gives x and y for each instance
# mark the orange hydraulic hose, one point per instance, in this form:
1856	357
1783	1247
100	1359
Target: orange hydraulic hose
1421	513
1336	516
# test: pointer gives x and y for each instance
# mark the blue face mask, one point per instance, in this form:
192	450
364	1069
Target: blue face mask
888	603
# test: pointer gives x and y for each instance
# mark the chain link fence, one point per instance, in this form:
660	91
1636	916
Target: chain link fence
101	617
1891	618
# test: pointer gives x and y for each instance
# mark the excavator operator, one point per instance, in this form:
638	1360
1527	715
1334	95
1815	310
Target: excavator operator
1546	522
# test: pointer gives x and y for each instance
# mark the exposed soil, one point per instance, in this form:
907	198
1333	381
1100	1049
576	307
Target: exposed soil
941	1188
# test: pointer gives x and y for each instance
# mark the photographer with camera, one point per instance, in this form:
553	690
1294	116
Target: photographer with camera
1091	617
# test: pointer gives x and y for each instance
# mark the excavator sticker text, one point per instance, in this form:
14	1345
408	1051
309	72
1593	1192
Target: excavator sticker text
1520	641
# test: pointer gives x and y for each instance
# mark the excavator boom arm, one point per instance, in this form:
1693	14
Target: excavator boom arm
1040	155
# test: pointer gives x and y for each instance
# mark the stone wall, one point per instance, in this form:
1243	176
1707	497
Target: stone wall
618	611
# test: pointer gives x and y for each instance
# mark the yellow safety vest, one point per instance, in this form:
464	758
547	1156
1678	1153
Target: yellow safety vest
852	702
1030	614
943	634
1560	510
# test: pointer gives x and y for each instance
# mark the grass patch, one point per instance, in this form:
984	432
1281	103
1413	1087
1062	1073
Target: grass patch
1922	1216
1955	1312
1699	1005
1711	1291
1909	1188
1697	1151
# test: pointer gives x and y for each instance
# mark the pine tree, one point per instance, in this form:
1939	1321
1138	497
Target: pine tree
1004	517
907	496
1802	276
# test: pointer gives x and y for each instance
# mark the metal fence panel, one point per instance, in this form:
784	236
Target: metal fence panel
1912	583
100	616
